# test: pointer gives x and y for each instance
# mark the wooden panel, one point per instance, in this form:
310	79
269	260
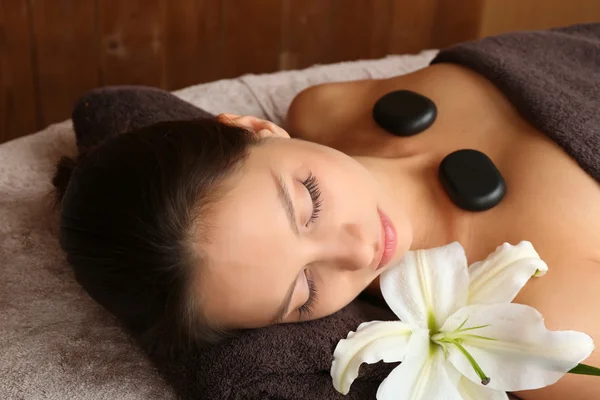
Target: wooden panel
132	40
17	90
509	15
4	82
252	36
360	31
305	33
412	26
456	22
51	51
65	52
381	27
194	42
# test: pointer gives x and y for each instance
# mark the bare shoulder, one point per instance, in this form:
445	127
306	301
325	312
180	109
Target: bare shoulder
339	114
325	112
328	112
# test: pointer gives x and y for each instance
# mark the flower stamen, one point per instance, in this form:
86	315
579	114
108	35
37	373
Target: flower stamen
455	337
471	328
484	378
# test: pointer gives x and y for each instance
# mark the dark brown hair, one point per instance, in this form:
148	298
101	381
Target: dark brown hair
131	210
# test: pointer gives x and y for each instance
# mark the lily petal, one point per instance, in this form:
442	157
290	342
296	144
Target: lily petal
522	354
499	277
473	391
423	375
427	286
372	342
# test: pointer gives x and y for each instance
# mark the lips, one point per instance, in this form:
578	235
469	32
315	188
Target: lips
388	240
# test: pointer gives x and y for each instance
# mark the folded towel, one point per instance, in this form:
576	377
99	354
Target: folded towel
106	112
290	362
553	79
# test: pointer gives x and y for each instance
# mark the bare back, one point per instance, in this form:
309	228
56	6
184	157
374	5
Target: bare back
550	200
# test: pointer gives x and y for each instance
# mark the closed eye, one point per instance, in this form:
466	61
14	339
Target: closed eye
305	311
312	185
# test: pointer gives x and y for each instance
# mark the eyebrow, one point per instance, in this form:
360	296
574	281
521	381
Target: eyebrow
288	205
285	304
286	199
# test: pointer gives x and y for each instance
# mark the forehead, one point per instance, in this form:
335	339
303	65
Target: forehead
249	240
250	207
248	210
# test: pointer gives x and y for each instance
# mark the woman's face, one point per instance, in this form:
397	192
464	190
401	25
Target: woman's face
297	236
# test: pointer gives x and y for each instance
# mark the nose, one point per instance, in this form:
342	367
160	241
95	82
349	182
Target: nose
351	249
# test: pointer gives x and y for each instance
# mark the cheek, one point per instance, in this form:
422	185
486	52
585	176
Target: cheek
353	187
353	174
337	293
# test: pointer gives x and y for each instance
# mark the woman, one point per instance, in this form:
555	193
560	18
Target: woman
188	231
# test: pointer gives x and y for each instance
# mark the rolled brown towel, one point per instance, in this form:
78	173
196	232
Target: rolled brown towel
290	361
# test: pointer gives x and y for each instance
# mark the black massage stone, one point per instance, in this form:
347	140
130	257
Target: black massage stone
404	113
472	180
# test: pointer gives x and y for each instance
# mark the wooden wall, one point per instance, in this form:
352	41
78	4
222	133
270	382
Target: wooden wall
52	51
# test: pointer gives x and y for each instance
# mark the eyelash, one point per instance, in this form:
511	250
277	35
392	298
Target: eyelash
312	185
306	309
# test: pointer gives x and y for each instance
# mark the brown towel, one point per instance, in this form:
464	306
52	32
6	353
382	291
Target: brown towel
283	362
553	79
109	111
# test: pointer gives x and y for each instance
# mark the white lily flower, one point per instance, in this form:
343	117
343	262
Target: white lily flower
459	337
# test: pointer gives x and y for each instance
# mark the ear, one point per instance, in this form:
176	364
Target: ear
261	127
